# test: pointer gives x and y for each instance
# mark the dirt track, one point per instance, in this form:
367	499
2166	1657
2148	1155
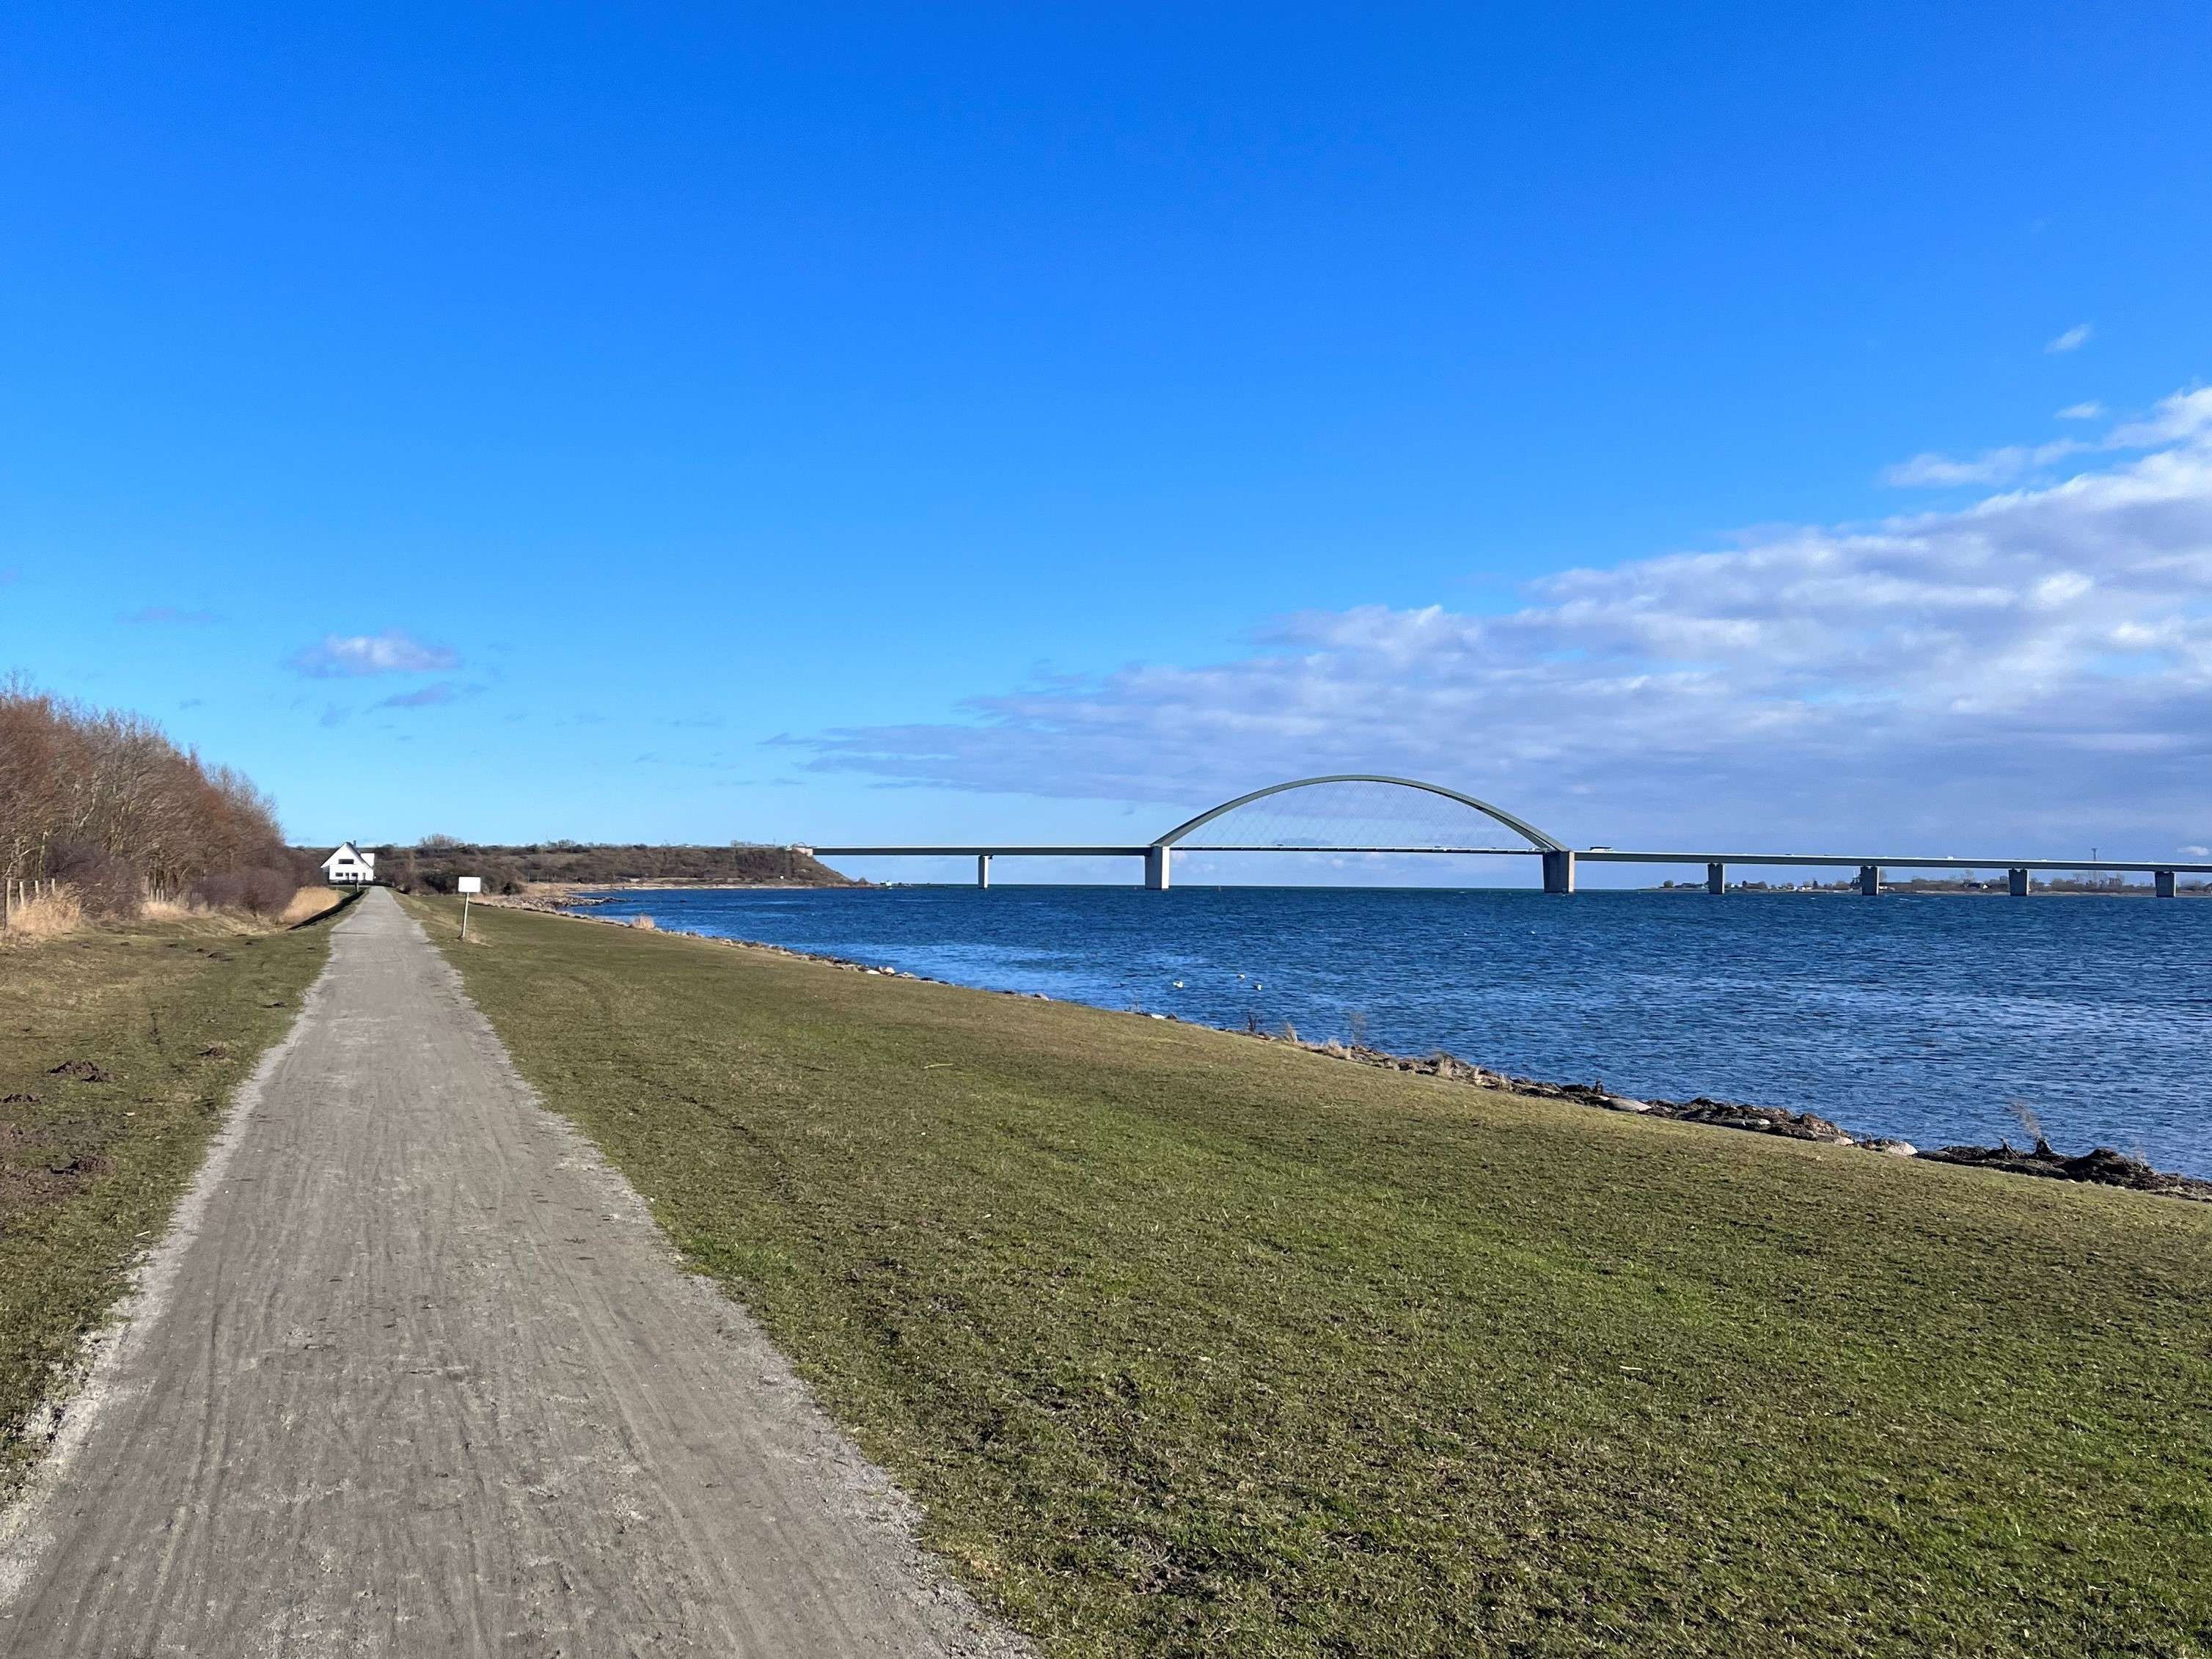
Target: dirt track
414	1374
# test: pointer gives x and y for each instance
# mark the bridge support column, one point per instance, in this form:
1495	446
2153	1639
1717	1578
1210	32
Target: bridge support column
2161	883
1158	868
982	869
1871	880
2016	883
1716	878
1559	872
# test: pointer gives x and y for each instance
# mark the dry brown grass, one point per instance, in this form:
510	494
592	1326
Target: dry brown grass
643	924
308	903
49	916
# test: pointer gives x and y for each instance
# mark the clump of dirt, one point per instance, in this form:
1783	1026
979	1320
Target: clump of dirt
45	1162
22	1098
2100	1165
216	1051
84	1070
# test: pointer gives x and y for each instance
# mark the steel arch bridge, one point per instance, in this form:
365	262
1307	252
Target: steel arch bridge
1536	838
1158	855
1559	861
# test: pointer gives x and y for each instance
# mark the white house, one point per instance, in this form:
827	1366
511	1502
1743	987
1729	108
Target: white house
350	867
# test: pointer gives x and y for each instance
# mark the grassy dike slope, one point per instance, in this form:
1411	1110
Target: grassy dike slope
175	1014
1195	1345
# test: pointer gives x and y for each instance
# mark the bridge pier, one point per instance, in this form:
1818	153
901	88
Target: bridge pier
1871	880
1716	878
1158	868
2016	883
2161	883
982	869
1559	872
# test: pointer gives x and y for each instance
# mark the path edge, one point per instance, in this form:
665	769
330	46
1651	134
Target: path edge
870	1497
79	1400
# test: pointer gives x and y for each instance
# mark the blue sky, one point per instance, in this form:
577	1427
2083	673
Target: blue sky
838	422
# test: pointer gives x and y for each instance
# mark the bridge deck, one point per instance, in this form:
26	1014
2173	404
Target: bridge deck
1593	855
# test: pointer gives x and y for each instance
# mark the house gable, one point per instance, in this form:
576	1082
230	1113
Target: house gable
350	864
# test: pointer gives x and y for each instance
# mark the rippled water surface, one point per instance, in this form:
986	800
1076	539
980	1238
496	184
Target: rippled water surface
1922	1017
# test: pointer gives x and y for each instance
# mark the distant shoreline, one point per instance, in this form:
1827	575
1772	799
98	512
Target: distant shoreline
561	896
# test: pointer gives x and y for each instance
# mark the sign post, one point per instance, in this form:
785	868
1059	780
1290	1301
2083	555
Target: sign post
468	884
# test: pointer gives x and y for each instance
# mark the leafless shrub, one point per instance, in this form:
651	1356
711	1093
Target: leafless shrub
644	924
222	889
266	892
105	884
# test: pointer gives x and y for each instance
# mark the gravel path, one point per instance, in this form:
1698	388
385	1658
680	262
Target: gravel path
415	1374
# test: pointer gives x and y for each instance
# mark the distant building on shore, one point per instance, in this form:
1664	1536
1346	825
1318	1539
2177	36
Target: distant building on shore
350	867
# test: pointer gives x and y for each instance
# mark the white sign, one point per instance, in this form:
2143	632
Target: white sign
471	885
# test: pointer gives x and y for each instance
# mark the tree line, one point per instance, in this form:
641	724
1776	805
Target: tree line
102	799
437	863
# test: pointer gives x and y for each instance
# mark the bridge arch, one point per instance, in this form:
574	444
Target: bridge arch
1538	841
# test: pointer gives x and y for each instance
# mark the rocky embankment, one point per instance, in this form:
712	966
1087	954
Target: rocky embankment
2101	1165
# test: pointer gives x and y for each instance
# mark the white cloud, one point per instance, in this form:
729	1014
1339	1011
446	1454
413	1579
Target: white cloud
2196	852
347	655
2072	339
2179	416
2091	411
2032	671
1991	466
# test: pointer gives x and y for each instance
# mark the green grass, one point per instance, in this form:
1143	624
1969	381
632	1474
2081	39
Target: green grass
1195	1345
90	1170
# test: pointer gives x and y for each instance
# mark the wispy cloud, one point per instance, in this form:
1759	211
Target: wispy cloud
2024	671
338	656
157	616
2072	340
1991	466
2091	411
435	694
2178	416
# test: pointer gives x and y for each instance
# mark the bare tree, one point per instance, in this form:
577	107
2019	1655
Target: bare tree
106	798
